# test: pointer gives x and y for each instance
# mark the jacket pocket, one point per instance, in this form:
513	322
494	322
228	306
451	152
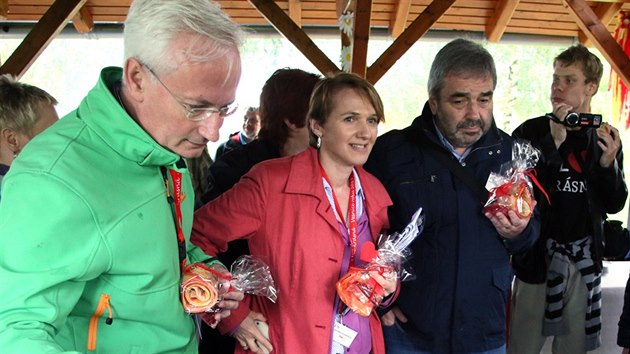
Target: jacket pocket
103	304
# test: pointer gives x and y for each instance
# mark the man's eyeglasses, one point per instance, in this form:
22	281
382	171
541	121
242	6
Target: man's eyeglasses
196	113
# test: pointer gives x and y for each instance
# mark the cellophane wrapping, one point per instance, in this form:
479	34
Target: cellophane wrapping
252	276
202	287
358	290
511	188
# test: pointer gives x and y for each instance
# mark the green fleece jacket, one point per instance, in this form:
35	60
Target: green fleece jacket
87	234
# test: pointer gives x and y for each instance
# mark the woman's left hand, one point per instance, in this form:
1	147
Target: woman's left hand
389	284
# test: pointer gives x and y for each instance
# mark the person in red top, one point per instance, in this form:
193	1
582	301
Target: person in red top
296	213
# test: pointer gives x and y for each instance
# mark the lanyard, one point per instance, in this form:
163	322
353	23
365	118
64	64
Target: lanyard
175	201
353	228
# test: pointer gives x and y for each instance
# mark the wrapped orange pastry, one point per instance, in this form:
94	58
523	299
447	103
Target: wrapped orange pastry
359	291
199	288
511	188
514	195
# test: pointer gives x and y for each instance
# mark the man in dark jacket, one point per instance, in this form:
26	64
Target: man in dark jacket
251	127
557	290
458	300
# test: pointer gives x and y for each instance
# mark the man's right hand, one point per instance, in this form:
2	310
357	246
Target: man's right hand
389	319
558	130
248	335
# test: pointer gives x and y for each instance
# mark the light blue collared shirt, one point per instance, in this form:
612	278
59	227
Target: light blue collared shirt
450	147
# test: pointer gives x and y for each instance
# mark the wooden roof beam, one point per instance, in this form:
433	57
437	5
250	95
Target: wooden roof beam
590	24
283	24
83	21
399	18
606	12
4	9
362	17
295	11
51	23
399	47
498	22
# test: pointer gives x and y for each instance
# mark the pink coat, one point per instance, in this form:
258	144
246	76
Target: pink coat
280	206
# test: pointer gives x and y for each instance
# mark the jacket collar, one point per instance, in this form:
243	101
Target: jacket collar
305	178
104	115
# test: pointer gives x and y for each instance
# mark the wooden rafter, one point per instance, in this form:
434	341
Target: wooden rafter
399	18
53	21
4	9
83	21
295	11
283	23
591	25
605	12
416	29
498	22
363	15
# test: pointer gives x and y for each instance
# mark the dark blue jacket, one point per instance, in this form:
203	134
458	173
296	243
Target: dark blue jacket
457	302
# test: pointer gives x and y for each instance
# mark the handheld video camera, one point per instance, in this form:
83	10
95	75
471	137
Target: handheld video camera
573	119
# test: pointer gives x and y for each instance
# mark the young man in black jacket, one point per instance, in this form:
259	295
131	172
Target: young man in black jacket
557	290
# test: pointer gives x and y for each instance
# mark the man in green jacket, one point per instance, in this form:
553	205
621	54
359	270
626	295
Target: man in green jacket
96	211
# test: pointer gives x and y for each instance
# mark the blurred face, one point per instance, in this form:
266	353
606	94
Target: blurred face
251	124
46	116
464	109
350	130
197	85
12	142
569	87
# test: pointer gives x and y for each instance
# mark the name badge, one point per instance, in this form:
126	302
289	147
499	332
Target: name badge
343	335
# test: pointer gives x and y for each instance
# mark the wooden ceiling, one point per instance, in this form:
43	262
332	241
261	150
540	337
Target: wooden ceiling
591	22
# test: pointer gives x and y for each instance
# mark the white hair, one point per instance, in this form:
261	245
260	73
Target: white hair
152	25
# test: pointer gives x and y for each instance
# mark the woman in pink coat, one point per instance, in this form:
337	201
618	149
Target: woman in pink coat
307	216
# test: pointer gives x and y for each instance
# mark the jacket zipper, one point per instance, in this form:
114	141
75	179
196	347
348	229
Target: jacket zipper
103	304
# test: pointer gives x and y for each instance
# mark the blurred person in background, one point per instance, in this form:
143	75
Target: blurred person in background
25	111
251	127
284	101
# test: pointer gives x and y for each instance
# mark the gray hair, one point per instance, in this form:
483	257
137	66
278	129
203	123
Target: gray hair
152	25
460	56
19	103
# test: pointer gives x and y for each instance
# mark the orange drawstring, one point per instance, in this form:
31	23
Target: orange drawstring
103	304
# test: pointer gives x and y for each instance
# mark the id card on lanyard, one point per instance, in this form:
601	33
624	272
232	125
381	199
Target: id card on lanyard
343	335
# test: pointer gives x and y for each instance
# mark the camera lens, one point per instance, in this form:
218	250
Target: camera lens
572	119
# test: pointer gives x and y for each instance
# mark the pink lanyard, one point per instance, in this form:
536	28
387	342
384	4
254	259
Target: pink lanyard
353	228
176	203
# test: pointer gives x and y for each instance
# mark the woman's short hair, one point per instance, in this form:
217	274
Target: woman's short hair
322	102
